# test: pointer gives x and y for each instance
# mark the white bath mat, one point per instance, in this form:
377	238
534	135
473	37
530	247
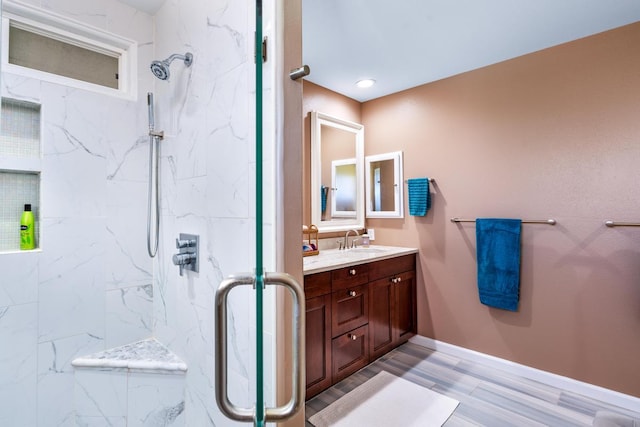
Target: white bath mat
386	400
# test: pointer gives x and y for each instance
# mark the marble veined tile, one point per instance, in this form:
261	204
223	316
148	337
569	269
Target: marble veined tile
71	289
19	284
156	400
100	393
18	364
56	376
147	354
129	314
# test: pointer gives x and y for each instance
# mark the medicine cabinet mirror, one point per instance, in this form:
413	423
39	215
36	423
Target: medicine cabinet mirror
337	177
384	195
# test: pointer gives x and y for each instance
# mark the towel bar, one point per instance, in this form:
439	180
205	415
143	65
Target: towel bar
431	180
524	221
610	223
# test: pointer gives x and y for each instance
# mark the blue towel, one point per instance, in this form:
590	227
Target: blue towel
419	198
323	198
498	257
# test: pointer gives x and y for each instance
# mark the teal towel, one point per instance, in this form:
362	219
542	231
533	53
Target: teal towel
419	197
323	198
498	257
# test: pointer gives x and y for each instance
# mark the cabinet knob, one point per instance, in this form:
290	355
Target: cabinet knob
353	337
352	293
399	279
352	272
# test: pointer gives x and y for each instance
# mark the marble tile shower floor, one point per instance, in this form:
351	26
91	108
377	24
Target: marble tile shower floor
488	397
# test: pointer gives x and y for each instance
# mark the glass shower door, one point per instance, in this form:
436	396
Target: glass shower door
259	414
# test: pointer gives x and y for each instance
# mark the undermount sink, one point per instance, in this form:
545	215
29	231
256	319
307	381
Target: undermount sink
368	250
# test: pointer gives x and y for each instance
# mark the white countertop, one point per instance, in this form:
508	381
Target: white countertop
334	258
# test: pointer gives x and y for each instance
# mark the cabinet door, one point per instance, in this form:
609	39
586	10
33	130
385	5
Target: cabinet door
381	315
350	309
350	353
405	323
318	344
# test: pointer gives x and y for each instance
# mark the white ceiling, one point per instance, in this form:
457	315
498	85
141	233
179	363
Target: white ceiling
406	43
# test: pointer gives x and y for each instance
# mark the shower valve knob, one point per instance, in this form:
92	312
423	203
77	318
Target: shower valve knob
183	259
187	243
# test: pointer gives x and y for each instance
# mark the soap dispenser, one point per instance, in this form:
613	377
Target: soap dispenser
27	230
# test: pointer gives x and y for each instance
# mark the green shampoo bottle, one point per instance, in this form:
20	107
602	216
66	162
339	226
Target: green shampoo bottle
27	230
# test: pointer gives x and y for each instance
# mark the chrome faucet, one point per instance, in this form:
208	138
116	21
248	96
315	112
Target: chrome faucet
346	239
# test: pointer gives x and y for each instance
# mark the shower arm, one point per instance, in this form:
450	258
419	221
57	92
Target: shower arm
188	58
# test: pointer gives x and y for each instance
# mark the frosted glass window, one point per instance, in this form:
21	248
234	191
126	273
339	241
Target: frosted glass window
20	135
41	52
17	189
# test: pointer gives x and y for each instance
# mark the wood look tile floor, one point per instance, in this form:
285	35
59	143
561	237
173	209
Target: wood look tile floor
488	397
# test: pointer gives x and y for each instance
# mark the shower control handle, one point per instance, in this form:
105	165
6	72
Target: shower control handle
185	243
187	257
182	260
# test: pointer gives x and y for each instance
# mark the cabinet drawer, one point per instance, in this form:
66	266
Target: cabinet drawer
350	309
350	352
349	276
389	267
317	284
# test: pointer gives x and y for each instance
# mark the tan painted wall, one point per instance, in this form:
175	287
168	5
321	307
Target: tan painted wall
554	134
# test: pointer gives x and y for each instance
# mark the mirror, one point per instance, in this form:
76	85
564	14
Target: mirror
337	184
384	195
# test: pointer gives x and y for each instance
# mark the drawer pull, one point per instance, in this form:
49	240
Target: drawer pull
352	293
353	337
396	279
352	272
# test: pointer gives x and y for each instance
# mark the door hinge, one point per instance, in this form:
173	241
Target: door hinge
264	50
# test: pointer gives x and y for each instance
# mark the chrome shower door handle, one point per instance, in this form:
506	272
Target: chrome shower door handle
280	413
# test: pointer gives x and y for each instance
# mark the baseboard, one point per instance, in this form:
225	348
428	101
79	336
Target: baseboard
602	394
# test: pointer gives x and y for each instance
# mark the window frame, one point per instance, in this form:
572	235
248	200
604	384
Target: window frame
58	27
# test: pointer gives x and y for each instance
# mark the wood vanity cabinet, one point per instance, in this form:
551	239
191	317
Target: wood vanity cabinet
355	315
317	288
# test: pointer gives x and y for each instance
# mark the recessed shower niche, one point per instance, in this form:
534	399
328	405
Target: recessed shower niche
20	164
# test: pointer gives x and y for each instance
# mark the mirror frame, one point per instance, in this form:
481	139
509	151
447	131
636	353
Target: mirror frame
318	120
398	186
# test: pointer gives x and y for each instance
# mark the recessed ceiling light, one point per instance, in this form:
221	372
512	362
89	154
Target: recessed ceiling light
365	83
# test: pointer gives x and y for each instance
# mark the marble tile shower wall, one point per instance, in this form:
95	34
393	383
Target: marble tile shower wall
90	287
93	285
208	165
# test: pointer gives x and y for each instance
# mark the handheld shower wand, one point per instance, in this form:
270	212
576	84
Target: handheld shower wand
153	205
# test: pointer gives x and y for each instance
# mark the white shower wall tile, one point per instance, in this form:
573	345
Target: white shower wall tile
56	376
228	29
18	362
129	315
155	400
229	176
82	421
19	283
19	87
72	286
100	393
126	245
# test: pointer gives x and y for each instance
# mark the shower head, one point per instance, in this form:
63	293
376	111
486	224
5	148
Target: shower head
160	69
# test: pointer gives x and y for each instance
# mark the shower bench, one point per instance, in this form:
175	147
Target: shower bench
136	384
